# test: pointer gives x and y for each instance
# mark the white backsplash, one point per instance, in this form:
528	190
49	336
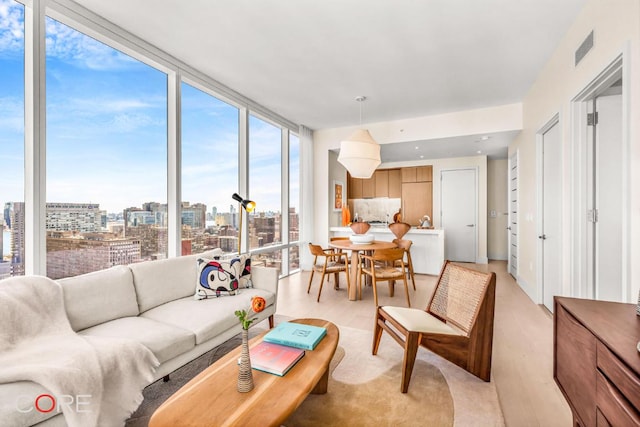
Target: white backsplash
376	209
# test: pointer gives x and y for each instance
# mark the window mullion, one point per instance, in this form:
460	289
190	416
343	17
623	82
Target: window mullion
174	165
34	136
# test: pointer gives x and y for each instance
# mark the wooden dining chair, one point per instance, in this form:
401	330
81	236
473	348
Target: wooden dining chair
328	266
457	323
333	239
406	245
399	229
381	266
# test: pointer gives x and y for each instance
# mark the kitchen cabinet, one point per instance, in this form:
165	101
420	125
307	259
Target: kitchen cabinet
381	183
417	174
417	201
355	188
424	174
395	183
369	187
409	175
595	360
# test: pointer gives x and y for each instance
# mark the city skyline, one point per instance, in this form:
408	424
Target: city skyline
107	133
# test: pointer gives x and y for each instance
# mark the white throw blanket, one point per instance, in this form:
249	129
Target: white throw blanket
37	344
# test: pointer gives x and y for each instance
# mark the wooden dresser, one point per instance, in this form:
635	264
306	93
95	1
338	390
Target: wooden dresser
596	363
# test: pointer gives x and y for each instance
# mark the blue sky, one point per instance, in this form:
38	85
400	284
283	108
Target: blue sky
106	128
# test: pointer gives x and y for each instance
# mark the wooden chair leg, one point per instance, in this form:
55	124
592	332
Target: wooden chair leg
346	273
377	333
413	277
406	290
410	351
359	280
320	290
310	279
375	289
336	286
392	288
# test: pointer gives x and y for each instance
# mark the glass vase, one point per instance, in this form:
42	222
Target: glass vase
245	376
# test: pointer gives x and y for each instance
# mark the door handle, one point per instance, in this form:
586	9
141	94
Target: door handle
543	237
508	228
470	225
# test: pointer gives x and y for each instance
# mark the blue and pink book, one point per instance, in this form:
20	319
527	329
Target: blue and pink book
274	358
296	335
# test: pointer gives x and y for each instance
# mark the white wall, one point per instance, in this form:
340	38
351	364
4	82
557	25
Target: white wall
616	26
337	172
497	200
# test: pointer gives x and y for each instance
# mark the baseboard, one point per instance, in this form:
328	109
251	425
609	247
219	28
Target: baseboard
531	292
482	260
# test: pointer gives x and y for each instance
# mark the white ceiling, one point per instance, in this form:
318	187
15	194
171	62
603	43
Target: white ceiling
307	59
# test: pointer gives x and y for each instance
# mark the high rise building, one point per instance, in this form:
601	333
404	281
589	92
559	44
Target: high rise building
71	253
194	215
7	213
16	219
83	217
264	227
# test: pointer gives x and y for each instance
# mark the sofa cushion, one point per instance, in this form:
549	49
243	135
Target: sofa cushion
217	278
209	317
165	341
161	281
94	298
244	267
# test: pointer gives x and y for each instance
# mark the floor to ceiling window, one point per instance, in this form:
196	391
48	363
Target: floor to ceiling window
11	139
294	200
265	188
209	172
106	139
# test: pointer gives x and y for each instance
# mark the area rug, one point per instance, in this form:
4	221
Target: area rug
364	390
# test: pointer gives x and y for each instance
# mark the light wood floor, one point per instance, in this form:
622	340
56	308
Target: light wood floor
522	366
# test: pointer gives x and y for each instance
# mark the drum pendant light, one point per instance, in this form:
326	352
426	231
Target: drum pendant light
360	153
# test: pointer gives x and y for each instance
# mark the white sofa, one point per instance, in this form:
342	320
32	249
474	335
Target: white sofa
153	303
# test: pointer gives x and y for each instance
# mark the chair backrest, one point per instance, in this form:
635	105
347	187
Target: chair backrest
459	295
403	243
399	229
316	250
391	254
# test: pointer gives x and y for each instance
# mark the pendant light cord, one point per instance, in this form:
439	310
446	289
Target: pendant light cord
360	100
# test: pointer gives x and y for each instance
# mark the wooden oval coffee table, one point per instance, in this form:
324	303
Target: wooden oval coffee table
211	398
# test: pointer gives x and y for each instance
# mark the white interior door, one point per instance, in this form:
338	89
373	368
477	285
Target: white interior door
551	230
607	204
512	187
459	213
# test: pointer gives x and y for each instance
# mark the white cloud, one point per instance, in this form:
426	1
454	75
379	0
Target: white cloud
11	26
128	122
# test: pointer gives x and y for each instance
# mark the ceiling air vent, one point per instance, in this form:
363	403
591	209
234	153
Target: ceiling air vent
584	48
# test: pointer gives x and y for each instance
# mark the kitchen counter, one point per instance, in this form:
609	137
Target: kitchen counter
427	251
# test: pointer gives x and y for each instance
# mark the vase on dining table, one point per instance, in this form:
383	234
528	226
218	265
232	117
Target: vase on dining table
245	376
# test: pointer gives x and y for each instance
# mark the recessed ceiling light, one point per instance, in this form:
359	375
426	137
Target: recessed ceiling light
479	151
484	138
416	147
421	156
